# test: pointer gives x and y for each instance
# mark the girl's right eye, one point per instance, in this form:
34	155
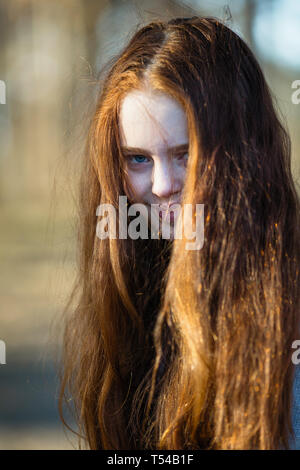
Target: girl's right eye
137	159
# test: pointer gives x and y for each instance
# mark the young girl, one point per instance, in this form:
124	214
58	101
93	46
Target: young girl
171	348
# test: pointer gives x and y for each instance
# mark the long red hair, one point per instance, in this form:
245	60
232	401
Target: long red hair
166	348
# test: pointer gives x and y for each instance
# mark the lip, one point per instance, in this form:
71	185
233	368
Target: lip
162	216
163	213
165	208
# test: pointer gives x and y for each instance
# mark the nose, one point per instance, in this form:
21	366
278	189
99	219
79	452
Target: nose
165	181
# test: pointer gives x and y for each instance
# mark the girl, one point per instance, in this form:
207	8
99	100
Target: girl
170	348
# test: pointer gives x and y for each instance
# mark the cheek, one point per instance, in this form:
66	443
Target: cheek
180	173
140	184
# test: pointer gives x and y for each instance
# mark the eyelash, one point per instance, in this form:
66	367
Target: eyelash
131	157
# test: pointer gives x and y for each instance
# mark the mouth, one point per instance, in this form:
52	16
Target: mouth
163	217
167	207
166	214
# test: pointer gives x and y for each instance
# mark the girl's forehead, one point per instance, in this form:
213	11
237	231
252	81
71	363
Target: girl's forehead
152	119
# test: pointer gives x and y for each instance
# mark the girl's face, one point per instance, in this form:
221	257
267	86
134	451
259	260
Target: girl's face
154	140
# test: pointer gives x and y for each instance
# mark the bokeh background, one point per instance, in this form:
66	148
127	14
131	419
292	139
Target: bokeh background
51	52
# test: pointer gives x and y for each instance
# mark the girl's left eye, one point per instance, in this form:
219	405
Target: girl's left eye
183	156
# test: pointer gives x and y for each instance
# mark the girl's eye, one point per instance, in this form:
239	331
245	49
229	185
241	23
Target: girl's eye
137	159
184	157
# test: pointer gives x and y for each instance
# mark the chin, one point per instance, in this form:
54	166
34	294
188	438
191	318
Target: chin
172	231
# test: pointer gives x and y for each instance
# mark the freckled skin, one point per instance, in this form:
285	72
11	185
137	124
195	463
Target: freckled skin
151	124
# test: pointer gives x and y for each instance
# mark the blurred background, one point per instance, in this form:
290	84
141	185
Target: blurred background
51	52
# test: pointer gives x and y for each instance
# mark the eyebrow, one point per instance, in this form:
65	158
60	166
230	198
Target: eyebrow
171	150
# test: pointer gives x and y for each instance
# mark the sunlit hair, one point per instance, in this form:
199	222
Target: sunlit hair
174	349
